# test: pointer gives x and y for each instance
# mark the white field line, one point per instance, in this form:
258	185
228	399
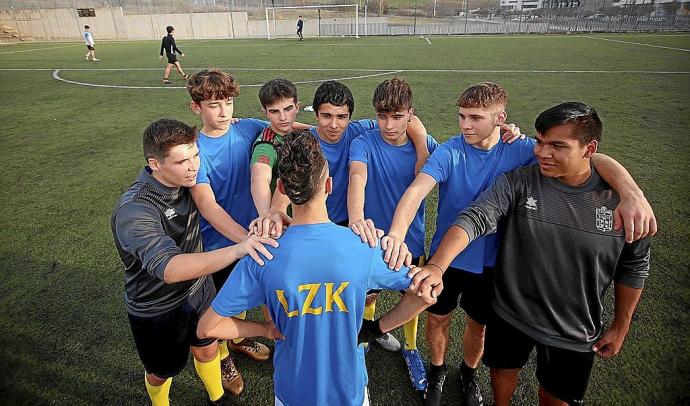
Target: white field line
636	43
56	76
38	49
379	71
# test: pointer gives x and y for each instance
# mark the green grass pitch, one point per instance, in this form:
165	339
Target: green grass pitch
70	149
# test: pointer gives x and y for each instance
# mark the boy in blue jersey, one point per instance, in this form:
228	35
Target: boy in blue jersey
333	105
314	288
382	166
465	166
222	191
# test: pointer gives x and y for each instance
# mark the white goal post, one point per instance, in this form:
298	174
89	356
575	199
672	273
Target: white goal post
271	25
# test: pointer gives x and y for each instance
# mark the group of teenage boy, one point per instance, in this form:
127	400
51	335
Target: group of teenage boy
310	223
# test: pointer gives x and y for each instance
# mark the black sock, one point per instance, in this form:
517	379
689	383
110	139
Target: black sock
466	371
436	369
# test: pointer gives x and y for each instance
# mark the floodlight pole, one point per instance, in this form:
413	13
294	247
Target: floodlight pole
268	26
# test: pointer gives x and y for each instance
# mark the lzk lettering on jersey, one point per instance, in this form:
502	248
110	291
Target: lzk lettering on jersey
306	295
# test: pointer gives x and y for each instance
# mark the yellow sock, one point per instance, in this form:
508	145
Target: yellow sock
369	311
240	316
159	394
410	329
223	349
209	372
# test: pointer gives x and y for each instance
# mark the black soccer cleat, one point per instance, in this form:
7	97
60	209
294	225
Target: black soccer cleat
434	387
470	395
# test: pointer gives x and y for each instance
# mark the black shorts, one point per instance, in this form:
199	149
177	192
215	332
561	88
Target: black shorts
563	373
219	277
474	291
90	47
344	223
172	58
163	341
415	261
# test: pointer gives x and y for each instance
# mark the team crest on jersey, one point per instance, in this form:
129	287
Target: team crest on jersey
531	203
604	219
169	214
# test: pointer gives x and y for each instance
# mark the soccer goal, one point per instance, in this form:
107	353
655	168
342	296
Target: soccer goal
326	20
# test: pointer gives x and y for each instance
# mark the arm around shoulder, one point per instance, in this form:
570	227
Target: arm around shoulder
634	213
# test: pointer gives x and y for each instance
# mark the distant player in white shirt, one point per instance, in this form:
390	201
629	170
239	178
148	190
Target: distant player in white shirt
88	39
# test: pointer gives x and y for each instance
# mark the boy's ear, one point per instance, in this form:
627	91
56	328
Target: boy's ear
411	111
501	118
329	185
195	107
591	148
280	186
263	110
154	164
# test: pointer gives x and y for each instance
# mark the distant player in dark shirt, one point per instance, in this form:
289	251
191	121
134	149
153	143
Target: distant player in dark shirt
300	26
167	288
560	253
168	44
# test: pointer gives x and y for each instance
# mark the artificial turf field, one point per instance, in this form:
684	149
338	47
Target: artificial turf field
69	150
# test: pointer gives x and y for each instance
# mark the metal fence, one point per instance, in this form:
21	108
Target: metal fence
376	17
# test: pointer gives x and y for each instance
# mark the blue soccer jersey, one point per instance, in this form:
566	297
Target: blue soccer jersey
314	288
390	170
463	172
225	166
337	155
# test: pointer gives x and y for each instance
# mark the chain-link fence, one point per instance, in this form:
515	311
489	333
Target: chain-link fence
249	18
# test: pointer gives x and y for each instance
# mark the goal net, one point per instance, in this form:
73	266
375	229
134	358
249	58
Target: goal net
326	20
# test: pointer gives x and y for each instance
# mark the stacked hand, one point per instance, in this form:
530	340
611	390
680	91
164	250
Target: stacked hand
253	245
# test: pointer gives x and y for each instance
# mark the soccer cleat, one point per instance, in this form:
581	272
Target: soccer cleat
95	59
231	377
86	57
222	401
434	388
389	342
415	367
251	348
470	395
165	81
185	77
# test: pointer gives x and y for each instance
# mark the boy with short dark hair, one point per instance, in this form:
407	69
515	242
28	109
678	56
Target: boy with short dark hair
156	230
546	210
279	103
168	45
382	166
